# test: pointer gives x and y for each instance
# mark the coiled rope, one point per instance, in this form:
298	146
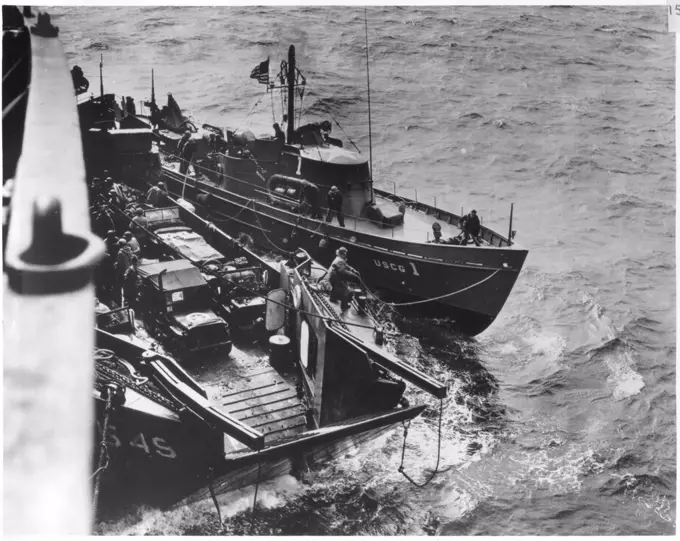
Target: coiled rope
439	448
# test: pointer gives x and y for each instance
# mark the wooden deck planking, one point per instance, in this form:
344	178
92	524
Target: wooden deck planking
283	424
285	401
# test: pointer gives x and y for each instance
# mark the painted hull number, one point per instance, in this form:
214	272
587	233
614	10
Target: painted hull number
158	445
395	266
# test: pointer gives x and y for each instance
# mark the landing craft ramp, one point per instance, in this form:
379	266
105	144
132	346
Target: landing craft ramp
245	386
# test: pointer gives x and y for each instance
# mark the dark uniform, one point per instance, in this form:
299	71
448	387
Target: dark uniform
130	286
140	223
335	206
156	195
186	154
123	262
471	227
340	272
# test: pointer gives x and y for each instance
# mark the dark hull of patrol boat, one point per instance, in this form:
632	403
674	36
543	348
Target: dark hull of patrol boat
465	285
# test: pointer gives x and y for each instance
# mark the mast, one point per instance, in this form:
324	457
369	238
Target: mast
291	93
153	89
368	83
101	77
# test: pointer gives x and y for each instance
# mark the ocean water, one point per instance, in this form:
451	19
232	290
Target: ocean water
562	414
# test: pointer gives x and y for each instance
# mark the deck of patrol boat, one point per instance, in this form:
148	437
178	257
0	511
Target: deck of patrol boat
417	226
246	386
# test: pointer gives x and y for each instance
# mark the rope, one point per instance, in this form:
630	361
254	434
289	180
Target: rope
431	299
343	131
249	112
103	457
214	499
439	448
257	486
267	237
13	103
230	218
300	311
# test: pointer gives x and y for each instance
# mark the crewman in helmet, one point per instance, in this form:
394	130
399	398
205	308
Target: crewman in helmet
140	223
156	195
340	273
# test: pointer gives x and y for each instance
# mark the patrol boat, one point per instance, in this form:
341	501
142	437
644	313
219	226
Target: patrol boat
255	185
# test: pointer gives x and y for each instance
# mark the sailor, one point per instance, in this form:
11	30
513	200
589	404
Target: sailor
186	154
132	242
156	196
325	130
140	223
123	260
183	140
114	198
471	227
108	182
437	231
131	283
335	206
284	124
111	243
339	274
278	133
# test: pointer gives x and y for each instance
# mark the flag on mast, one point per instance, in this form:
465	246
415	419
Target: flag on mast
261	72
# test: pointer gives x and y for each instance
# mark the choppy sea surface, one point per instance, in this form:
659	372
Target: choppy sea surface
562	414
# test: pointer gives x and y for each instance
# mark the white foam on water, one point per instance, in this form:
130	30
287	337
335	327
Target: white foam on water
599	327
623	378
547	345
271	494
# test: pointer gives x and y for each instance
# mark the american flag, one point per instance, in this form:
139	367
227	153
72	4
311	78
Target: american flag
261	72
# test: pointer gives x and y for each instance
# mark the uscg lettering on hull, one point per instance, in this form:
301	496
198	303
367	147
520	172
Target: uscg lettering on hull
395	266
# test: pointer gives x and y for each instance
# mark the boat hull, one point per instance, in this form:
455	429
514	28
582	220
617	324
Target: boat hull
165	462
465	285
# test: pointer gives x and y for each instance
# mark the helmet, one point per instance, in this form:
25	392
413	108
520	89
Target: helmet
110	233
473	212
139	211
334	188
341	251
127	234
187	132
122	242
161	184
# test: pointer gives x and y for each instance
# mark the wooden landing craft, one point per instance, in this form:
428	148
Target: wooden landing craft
231	419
